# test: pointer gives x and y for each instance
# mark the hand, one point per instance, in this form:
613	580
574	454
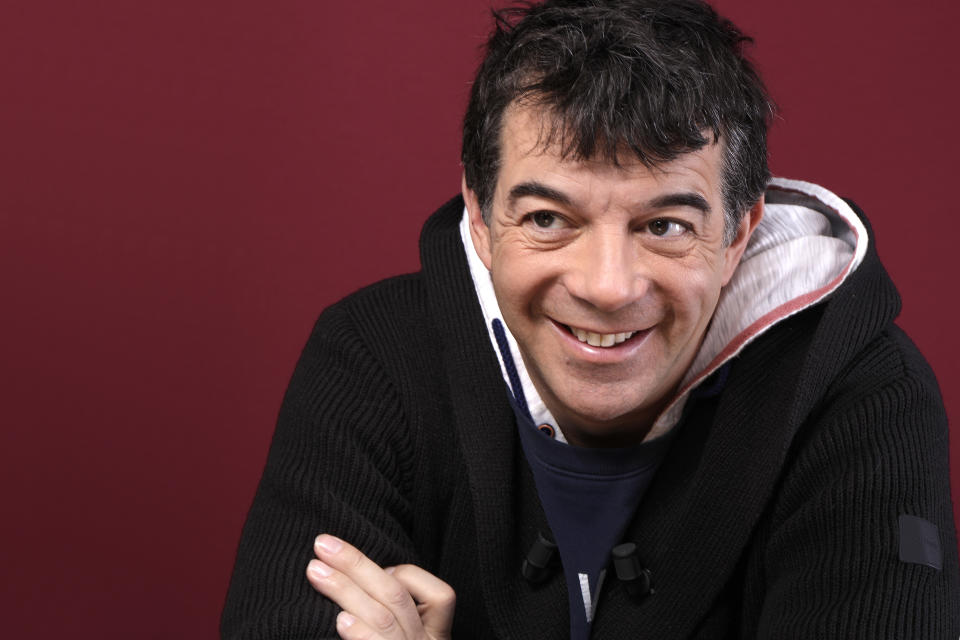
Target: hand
402	602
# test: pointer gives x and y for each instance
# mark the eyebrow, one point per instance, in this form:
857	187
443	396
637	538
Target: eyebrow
681	199
538	190
666	201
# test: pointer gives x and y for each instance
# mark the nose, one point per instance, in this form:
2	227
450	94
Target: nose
606	272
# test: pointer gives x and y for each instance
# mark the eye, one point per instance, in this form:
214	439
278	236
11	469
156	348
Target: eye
666	228
546	219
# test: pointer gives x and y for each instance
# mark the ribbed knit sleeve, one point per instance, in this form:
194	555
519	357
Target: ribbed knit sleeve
829	563
336	465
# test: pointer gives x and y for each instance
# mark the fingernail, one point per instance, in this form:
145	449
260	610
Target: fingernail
345	620
390	570
328	543
320	569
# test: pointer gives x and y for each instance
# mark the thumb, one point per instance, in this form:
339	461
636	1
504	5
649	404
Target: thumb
435	599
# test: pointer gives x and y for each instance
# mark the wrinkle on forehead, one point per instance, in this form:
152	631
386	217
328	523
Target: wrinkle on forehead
555	136
536	161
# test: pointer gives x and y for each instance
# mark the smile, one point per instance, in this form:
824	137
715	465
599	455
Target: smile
600	339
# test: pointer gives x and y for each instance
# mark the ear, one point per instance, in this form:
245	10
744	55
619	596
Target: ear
479	230
751	218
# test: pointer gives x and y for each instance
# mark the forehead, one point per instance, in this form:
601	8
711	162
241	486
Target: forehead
533	147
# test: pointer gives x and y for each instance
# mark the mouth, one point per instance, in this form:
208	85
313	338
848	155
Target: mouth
603	340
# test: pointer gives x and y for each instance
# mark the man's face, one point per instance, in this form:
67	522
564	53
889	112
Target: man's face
606	275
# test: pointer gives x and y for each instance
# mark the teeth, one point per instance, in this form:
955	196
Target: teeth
600	339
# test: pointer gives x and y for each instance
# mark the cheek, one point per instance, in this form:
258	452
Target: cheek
520	276
691	296
513	291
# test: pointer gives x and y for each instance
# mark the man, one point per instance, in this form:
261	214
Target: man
638	389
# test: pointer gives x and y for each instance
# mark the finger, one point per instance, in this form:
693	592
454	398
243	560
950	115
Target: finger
362	588
436	598
339	588
351	628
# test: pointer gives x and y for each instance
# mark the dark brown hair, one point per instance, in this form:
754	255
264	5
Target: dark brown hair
656	77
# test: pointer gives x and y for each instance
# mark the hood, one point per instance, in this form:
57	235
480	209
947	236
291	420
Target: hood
807	245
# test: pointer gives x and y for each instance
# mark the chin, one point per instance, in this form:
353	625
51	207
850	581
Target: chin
607	437
598	420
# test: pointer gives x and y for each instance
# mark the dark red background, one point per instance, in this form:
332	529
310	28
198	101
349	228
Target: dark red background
185	185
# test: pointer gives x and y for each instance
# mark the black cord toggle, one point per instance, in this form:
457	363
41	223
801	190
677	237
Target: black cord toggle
635	578
540	562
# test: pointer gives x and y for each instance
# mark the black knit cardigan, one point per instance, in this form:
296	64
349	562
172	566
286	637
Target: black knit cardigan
774	514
